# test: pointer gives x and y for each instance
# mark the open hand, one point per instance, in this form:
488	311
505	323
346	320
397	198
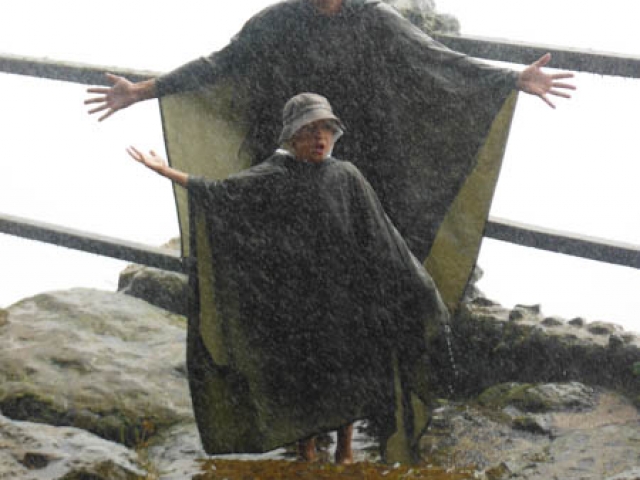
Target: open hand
534	81
120	95
150	160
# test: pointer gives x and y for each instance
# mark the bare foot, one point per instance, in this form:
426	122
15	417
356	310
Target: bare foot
307	450
344	452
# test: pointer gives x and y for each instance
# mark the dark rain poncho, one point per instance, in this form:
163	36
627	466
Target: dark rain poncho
427	128
314	282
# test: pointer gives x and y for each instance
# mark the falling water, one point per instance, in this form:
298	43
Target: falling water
454	368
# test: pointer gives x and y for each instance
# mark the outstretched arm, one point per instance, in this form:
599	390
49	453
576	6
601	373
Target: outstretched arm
155	162
534	81
119	95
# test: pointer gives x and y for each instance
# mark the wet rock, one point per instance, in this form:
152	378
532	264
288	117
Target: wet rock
164	289
422	13
484	302
167	290
533	424
104	362
595	442
616	341
561	396
535	309
633	474
114	365
602	328
177	452
538	398
552	322
35	451
525	312
491	348
577	322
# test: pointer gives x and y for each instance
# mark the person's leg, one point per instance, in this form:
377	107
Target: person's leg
307	449
344	453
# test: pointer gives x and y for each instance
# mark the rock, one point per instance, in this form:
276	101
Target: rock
35	451
538	398
525	312
593	442
577	322
484	302
422	13
114	365
4	317
491	348
616	341
104	362
164	289
553	322
602	328
561	396
633	474
532	423
168	290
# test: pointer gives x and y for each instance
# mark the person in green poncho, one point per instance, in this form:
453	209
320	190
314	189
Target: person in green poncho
337	295
430	107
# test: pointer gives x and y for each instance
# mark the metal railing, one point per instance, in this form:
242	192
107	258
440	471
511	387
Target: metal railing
491	49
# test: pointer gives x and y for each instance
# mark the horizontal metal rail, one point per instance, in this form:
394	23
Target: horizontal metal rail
590	61
491	49
499	229
91	243
66	71
593	248
603	63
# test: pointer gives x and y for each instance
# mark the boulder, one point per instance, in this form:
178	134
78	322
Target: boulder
167	290
494	345
164	289
35	451
114	366
104	362
577	432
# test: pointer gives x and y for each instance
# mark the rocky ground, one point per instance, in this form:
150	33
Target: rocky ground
93	386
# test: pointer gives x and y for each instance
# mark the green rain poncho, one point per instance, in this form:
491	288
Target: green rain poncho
427	128
321	307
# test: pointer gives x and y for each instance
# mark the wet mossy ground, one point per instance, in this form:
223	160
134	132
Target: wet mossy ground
283	469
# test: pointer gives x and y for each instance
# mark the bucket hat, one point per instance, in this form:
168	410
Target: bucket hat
303	109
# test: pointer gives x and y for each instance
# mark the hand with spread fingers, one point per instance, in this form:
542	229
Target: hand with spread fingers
121	94
534	81
158	164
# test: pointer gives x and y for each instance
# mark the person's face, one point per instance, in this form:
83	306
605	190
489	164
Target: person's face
327	7
314	141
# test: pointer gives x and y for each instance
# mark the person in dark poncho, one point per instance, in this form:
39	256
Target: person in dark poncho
431	108
333	302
